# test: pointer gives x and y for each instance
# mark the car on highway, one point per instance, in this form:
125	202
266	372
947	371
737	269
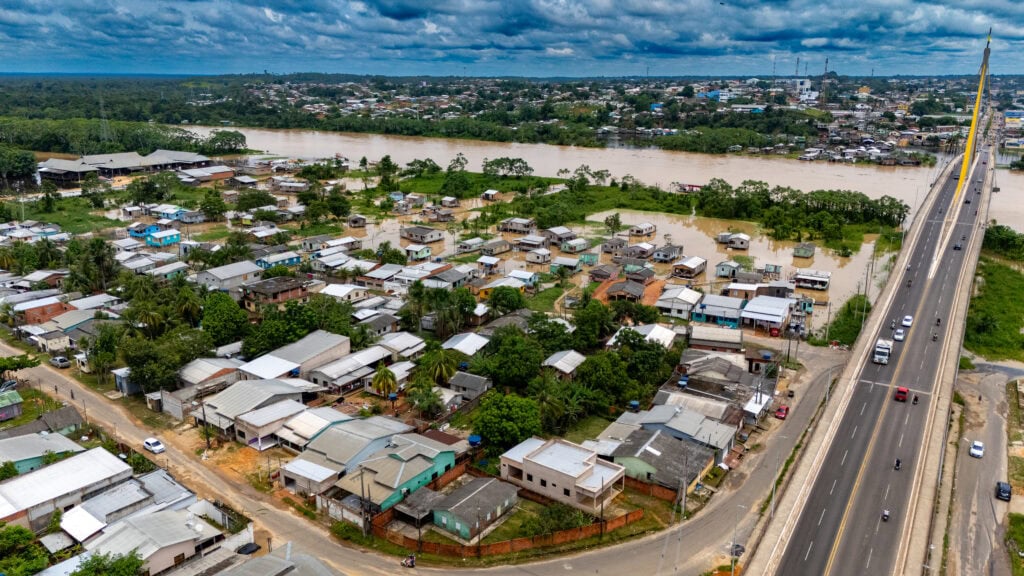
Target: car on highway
958	246
908	321
60	362
153	445
901	394
977	449
1003	491
968	201
899	335
782	412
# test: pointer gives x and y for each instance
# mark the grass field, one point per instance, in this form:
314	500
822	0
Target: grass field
586	429
996	314
544	301
71	214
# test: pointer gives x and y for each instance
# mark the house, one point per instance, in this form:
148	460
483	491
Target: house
518	225
415	200
221	410
740	290
488	265
613	245
449	279
468	343
657	458
727	269
163	539
604	272
564	472
30	451
210	372
402	345
421	234
276	291
715	339
574	246
192	217
230	277
678	301
626	290
51	278
351	371
345	292
442	215
10	405
565	362
469	385
169	271
571	264
450	202
299	358
141	230
655	333
337	450
642	276
126	245
495	247
288	258
558	235
313	243
739	241
376	278
163	238
65	172
62	421
346	243
684	423
51	342
490	195
668	253
407	463
720	310
642	250
296	433
131	212
29	500
167	211
530	242
40	310
530	279
357	221
768	312
472	508
643	229
380	324
538	256
417	252
470	245
804	250
813	279
258	428
689	267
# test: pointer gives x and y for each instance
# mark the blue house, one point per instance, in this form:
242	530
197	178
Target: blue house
123	382
396	196
289	258
170	211
406	464
163	238
140	230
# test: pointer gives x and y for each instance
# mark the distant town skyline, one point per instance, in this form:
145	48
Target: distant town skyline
531	38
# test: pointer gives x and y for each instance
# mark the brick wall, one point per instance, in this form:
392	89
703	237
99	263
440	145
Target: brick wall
656	490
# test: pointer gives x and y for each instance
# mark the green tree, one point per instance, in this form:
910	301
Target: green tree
251	199
388	255
439	365
613	223
110	565
213	205
384	382
8	470
510	359
11	364
49	196
15	163
504	420
505	299
189	306
223	319
278	270
424	398
20	553
594	323
101	351
338	204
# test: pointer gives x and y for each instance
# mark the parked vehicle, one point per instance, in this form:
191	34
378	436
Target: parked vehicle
153	445
1003	491
782	412
60	362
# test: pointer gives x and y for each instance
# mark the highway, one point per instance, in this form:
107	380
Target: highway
840	528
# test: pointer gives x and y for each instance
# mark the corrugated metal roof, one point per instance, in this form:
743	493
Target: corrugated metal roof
150	533
247	395
565	361
67	476
468	343
273	412
269	366
353	362
234	270
341	442
30	446
201	369
311	345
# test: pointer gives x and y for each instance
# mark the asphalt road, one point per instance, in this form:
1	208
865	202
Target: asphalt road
688	548
840	530
976	530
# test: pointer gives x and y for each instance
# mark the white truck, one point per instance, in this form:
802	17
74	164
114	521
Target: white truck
883	349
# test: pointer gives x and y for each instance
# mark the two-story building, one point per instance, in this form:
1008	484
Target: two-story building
230	277
274	292
564	472
163	238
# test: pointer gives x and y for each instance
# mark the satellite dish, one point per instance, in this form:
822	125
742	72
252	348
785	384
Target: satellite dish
198	528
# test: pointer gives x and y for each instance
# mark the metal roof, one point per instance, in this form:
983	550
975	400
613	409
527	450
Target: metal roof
151	533
651	333
468	343
30	446
272	413
565	361
306	425
310	346
233	270
477	495
269	366
247	395
95	301
65	477
202	369
469	381
680	293
700	332
341	442
353	362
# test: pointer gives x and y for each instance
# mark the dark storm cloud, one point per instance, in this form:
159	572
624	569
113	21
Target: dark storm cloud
513	37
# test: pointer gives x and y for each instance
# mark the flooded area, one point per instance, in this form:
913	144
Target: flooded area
1008	204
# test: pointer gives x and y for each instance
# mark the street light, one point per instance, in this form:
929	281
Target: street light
734	549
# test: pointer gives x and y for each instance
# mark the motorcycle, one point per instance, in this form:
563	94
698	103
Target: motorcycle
897	467
409	562
938	321
892	325
915	399
909	283
934	336
885	515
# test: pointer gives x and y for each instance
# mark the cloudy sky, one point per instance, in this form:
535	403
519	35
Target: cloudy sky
510	37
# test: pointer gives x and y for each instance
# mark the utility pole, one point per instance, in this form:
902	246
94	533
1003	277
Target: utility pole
362	501
206	427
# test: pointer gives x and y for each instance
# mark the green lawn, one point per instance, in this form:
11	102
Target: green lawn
215	233
1015	470
544	301
996	314
436	537
34	404
71	214
314	229
512	527
586	429
1015	542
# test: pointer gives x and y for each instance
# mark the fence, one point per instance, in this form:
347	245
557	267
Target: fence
654	490
381	521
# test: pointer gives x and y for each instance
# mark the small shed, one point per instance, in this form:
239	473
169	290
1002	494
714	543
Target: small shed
490	195
10	405
727	269
539	256
643	229
804	250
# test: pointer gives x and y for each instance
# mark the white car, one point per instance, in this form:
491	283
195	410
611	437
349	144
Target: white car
977	449
899	335
153	445
908	321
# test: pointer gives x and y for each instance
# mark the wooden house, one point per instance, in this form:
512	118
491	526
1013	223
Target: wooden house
668	253
539	256
643	229
689	267
495	247
357	221
804	250
575	246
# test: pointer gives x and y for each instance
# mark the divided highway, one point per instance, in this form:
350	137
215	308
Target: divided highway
840	529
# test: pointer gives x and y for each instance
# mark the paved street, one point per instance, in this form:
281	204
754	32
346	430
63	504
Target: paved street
978	522
688	549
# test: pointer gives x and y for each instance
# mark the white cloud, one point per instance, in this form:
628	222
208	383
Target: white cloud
559	51
273	16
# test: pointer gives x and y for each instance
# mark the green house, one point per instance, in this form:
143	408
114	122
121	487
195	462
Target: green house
473	507
406	464
33	451
10	405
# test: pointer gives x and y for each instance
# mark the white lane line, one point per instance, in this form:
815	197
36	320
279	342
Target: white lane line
809	550
868	563
854	431
865	405
844	457
822	517
833	486
906	419
901	441
886	497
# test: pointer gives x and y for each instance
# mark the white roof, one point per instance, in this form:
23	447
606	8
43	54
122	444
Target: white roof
468	343
151	533
65	477
559	230
691	262
269	366
234	270
165	233
272	413
488	260
768	308
303	426
651	333
91	302
127	243
565	361
521	274
566	261
680	293
31	304
201	369
341	290
403	343
520	451
280	257
80	524
703	332
507	281
17	448
414	247
353	362
311	470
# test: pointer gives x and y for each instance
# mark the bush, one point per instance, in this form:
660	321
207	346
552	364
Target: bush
554	518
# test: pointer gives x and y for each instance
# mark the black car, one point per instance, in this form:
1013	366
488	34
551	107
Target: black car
957	246
1003	491
968	201
250	548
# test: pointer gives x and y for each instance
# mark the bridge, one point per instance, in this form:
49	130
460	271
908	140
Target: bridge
847	476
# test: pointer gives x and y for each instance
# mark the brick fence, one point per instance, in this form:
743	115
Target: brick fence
381	521
655	490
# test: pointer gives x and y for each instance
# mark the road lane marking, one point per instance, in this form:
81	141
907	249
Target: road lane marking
844	457
901	441
833	486
906	419
886	496
822	517
870	552
863	406
854	431
808	550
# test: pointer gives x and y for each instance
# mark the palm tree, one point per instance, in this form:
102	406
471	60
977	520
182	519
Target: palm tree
384	382
424	398
7	260
189	306
440	365
150	317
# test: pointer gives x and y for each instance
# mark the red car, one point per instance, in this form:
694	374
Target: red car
782	412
